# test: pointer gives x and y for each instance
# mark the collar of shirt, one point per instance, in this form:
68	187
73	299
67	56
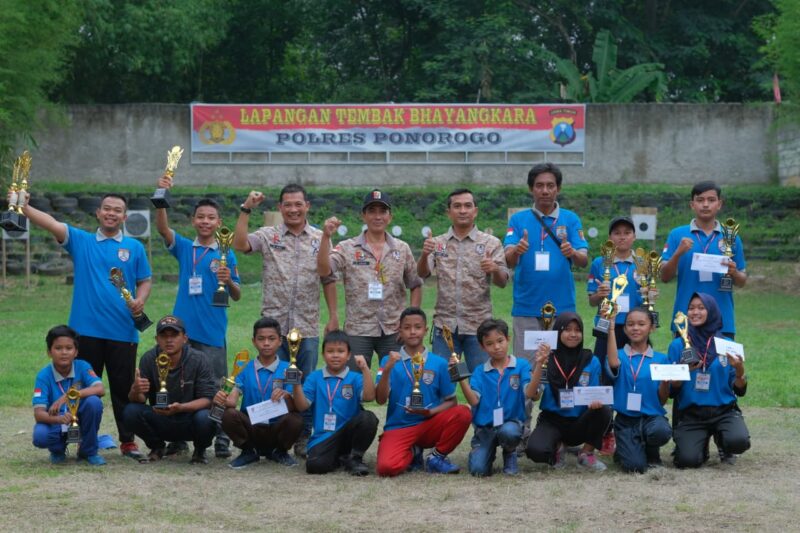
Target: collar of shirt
58	377
512	363
282	229
100	236
272	366
628	259
214	244
340	375
693	226
647	353
406	356
553	215
361	240
472	235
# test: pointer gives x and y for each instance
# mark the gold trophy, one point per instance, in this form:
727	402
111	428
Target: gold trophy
226	384
13	219
607	252
460	370
548	314
653	271
642	274
162	396
73	402
730	229
162	198
603	321
416	400
292	376
689	354
141	321
224	239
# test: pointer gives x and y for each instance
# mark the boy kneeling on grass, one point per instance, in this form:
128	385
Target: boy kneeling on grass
50	399
343	430
440	424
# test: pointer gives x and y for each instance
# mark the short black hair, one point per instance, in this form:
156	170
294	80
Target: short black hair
460	191
412	311
207	202
489	325
61	331
291	188
115	195
336	335
705	186
266	322
541	168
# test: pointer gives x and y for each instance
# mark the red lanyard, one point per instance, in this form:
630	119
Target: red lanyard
544	234
501	371
705	354
332	396
410	377
263	391
708	241
638	370
566	377
195	260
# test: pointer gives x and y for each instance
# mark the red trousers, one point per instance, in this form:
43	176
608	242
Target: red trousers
443	431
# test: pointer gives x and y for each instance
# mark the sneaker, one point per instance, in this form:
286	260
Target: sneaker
222	448
510	466
155	455
440	464
245	458
282	457
176	448
355	465
727	458
198	457
130	449
417	462
94	460
300	447
653	457
609	444
57	458
561	457
589	462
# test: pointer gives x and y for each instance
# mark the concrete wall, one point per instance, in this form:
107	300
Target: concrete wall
631	143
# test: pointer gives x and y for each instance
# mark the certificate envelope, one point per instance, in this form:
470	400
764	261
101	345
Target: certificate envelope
669	372
724	346
262	413
710	263
587	395
534	338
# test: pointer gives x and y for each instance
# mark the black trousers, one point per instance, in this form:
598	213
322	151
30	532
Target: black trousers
264	438
551	430
355	437
155	429
697	425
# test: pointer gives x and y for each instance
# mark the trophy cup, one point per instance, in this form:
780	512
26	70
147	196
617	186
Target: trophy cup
73	401
224	240
460	370
417	401
227	384
162	198
730	229
607	251
162	397
13	219
688	355
653	270
141	321
548	314
293	339
640	259
603	322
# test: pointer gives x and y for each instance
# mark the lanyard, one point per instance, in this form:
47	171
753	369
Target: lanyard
708	241
195	260
332	396
410	377
543	233
501	372
262	392
566	377
705	354
638	370
63	407
627	269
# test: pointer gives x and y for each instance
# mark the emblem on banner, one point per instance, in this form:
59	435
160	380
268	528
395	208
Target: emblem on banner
563	131
217	130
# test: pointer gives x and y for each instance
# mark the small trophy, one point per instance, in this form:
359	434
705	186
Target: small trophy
162	198
688	355
293	373
417	363
141	321
730	229
460	370
640	259
603	322
607	252
224	240
162	396
548	314
13	219
227	384
73	401
653	270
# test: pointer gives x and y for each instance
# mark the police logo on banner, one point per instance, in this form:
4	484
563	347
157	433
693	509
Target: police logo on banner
124	254
563	130
584	379
347	392
427	377
513	381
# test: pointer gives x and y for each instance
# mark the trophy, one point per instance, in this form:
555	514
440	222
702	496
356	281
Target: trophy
224	240
603	322
607	251
688	355
460	370
653	270
548	314
162	198
13	219
141	321
417	363
162	396
293	339
227	384
730	229
73	401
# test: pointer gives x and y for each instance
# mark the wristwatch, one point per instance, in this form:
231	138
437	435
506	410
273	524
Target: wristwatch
244	209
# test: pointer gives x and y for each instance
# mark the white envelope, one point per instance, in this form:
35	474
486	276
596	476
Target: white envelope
262	413
669	372
725	346
710	263
587	395
534	338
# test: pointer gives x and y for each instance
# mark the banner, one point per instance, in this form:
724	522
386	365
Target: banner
388	128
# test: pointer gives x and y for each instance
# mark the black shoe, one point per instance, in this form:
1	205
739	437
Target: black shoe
176	448
199	457
222	448
354	464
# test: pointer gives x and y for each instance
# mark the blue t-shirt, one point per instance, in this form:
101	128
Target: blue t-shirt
256	382
339	394
204	322
486	383
590	377
689	280
626	268
435	385
625	383
50	385
98	309
532	288
720	391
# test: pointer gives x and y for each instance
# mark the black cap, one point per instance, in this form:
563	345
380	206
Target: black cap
376	197
621	220
170	322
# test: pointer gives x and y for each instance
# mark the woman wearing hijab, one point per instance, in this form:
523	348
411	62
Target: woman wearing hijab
707	402
561	423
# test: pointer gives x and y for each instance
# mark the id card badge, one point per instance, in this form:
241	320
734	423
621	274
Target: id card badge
64	428
566	399
702	382
329	422
497	416
634	402
542	261
195	285
624	302
705	276
375	290
408	401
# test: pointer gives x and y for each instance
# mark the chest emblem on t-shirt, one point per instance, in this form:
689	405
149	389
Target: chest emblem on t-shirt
480	248
513	381
396	255
722	246
276	242
314	246
440	250
214	265
124	254
360	258
427	376
277	384
584	379
347	392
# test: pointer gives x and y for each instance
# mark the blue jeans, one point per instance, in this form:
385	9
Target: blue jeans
462	344
307	358
639	440
90	413
485	442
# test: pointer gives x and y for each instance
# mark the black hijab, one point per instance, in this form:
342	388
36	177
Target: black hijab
700	335
568	358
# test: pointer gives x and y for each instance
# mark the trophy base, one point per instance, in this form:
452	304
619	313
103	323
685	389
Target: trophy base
689	357
459	372
726	283
220	299
73	435
292	376
12	221
162	199
654	317
601	329
416	401
142	322
162	400
216	412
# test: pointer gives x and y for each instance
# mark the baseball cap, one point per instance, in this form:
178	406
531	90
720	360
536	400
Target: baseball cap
376	197
170	322
621	220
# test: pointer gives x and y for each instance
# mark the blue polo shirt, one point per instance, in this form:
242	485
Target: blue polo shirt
339	394
256	382
720	390
590	377
435	385
204	322
98	309
50	385
533	289
625	267
486	382
689	280
624	383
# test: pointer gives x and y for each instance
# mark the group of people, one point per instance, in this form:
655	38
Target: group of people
321	417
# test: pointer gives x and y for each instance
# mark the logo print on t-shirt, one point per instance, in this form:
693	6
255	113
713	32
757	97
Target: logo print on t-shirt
214	265
513	381
124	254
427	377
347	392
